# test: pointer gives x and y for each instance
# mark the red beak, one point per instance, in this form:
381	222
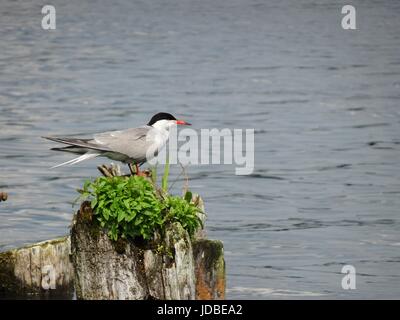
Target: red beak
181	122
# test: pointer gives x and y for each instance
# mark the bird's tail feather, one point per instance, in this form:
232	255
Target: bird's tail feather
72	149
83	157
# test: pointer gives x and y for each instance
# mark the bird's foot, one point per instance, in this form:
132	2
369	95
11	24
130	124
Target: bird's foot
137	172
145	173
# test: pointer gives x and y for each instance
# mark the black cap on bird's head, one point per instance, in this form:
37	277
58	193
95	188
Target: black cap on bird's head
165	116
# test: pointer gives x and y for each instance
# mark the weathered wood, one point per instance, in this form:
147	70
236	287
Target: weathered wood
114	170
173	266
110	171
200	232
209	269
42	270
3	196
102	269
127	270
169	273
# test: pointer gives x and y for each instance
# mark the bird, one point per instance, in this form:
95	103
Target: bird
133	146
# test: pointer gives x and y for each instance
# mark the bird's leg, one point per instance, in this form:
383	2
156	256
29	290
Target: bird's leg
131	169
140	173
137	170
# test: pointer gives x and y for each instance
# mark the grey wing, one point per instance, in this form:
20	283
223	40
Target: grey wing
82	143
132	142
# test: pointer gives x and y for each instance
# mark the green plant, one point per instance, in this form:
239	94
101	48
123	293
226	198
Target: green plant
125	207
184	211
153	176
164	181
131	207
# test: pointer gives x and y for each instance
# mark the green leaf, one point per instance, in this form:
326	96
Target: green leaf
130	217
126	203
106	214
164	182
154	174
138	221
188	196
121	216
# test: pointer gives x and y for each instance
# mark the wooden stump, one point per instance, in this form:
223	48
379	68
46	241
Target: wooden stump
42	270
172	266
167	268
100	271
3	196
105	269
209	269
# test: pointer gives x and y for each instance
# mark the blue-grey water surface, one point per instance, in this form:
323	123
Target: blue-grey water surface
324	101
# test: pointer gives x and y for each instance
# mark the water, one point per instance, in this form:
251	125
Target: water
324	103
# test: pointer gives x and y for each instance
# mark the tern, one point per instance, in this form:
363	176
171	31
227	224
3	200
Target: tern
133	146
